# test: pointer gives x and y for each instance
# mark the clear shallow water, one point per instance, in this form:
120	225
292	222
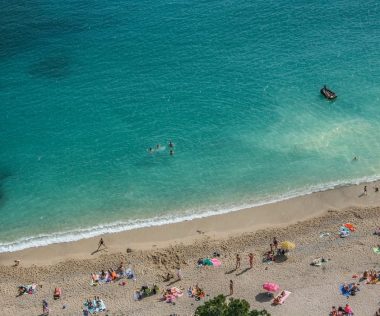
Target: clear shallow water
86	88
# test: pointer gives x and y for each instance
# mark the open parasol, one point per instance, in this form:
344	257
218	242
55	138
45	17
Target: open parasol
271	287
287	245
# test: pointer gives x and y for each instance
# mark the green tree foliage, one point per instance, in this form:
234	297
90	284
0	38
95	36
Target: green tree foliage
218	306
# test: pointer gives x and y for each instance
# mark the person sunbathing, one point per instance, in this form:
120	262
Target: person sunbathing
94	277
121	269
89	304
334	312
348	310
103	275
354	288
21	290
113	274
277	300
269	256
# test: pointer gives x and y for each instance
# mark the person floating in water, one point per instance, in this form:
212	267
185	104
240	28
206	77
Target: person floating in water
355	158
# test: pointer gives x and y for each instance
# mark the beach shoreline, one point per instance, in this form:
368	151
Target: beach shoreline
156	251
276	214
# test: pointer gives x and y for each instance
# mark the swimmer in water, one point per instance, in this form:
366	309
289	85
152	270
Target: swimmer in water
171	152
158	146
171	145
150	150
355	158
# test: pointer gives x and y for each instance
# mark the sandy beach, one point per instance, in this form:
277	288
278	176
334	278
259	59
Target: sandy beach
155	251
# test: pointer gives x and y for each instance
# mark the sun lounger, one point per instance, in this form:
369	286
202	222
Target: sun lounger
283	299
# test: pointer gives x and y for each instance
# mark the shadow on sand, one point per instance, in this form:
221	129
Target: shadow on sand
263	297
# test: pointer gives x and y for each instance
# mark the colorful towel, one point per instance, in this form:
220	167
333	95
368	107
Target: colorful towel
216	262
97	306
345	292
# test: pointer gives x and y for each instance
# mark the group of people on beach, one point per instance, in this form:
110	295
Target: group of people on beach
365	190
96	302
159	148
342	311
371	276
250	260
274	251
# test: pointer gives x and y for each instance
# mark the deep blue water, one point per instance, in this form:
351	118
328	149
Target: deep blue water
87	86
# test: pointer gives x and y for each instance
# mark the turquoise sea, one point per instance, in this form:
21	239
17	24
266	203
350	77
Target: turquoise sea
87	86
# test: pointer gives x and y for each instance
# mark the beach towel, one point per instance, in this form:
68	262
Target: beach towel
344	232
318	262
345	292
216	262
130	274
96	280
29	289
97	306
350	226
207	262
376	250
176	291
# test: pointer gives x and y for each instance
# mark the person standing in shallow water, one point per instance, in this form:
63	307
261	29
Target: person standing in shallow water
365	190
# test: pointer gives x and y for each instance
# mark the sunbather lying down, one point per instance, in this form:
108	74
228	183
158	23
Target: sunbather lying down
318	261
27	289
280	299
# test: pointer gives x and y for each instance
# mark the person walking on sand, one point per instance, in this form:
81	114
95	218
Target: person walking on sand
101	243
238	259
365	190
231	287
250	256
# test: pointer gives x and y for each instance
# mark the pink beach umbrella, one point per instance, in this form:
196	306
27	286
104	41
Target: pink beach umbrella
271	287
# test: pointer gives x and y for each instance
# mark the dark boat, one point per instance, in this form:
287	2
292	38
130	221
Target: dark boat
328	94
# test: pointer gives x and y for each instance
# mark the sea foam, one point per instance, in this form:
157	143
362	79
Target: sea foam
116	227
